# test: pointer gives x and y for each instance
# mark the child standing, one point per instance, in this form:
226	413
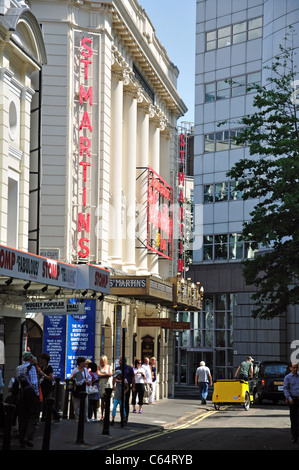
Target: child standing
117	387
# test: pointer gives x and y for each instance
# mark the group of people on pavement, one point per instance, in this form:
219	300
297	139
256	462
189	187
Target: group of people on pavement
33	384
94	381
28	391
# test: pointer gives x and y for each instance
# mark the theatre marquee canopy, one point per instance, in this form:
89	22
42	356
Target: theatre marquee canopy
175	293
38	272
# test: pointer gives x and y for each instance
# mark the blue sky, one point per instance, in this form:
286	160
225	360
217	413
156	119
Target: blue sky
175	23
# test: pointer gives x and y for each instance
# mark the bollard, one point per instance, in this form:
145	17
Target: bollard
47	431
80	432
8	412
68	410
108	392
57	393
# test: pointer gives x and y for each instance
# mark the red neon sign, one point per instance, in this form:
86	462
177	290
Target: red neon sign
85	144
159	215
181	183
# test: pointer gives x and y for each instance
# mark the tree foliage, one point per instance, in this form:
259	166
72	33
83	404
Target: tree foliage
270	174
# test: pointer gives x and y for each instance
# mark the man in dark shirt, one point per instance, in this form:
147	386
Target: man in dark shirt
130	378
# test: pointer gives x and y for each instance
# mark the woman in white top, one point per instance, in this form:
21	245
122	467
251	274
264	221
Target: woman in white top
138	388
105	381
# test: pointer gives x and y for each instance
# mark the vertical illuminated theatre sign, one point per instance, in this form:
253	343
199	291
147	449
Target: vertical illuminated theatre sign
159	215
85	140
181	200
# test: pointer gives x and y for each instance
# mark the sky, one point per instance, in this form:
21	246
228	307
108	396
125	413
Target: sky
175	25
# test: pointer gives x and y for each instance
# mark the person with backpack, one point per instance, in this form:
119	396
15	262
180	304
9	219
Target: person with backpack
28	369
26	387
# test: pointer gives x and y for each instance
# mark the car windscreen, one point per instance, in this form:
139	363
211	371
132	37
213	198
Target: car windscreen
275	370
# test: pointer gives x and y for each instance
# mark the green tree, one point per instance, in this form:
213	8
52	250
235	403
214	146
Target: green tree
271	174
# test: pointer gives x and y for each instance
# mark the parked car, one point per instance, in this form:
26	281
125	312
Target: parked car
267	380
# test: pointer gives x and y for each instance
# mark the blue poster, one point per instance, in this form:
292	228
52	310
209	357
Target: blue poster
80	335
54	342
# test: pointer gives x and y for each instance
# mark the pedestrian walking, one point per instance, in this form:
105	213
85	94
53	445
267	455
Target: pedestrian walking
203	379
46	375
138	388
148	376
129	377
93	392
118	399
105	381
152	364
291	392
82	378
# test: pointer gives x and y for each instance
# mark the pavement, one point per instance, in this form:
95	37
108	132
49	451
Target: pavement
66	435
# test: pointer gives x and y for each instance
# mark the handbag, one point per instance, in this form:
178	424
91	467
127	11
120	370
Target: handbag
147	390
79	388
92	389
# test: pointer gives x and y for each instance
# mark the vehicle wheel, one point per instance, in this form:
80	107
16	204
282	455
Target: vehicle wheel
247	401
217	406
257	398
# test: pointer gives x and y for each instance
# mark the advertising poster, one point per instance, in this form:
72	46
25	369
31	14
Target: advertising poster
54	342
80	335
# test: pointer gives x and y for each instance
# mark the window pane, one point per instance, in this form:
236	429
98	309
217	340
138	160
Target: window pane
224	32
254	77
235	193
220	301
210	92
235	246
208	339
224	42
211	45
256	23
209	143
220	320
233	135
222	141
239	27
221	192
211	40
209	320
238	38
208	193
239	86
254	34
220	247
208	247
211	35
208	303
220	340
223	90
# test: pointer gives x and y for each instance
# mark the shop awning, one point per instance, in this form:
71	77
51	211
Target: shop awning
22	273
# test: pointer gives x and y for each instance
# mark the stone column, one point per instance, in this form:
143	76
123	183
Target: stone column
129	178
142	164
115	216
